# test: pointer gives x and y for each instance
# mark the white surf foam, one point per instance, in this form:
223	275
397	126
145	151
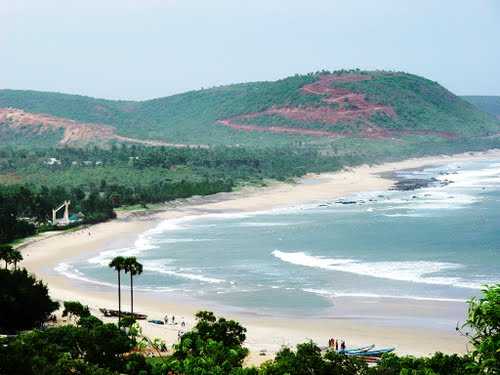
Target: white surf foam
71	272
474	178
429	199
410	271
332	294
161	267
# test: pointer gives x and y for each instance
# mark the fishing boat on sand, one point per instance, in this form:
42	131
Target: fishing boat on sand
370	353
115	313
358	350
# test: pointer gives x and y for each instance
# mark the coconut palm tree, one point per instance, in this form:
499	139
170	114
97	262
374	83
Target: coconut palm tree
6	254
118	263
15	257
133	267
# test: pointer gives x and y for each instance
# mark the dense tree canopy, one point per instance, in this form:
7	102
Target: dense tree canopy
68	349
24	301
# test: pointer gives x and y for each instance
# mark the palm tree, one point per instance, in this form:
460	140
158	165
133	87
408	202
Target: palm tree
6	254
118	263
15	257
134	268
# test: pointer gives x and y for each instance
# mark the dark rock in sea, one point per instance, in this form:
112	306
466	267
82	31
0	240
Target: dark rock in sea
341	201
417	183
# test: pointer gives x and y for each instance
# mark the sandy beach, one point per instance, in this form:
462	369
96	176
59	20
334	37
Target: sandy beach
351	322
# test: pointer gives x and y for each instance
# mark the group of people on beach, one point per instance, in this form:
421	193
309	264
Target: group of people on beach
173	322
334	344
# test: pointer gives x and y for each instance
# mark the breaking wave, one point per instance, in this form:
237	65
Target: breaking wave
160	267
410	271
332	294
71	272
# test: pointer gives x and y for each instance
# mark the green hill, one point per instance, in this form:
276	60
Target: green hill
317	108
490	104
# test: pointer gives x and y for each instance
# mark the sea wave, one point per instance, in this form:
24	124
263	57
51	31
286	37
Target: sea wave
405	215
334	294
180	240
258	224
71	272
161	267
150	239
429	199
476	178
409	271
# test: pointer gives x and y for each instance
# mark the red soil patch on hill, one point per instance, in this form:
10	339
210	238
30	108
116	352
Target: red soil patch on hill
278	129
350	108
74	132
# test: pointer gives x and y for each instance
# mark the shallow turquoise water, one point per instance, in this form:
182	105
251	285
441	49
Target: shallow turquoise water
441	242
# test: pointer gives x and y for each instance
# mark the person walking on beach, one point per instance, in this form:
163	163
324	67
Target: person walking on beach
337	346
166	319
342	345
332	344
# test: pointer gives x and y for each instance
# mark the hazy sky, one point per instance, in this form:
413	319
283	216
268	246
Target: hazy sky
136	49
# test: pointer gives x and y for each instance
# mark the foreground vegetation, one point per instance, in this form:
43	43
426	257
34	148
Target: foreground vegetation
215	346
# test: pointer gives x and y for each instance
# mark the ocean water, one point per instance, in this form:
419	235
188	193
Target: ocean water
436	243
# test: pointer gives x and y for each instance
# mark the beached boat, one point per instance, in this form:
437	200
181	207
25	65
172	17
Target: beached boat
358	350
371	353
115	313
156	321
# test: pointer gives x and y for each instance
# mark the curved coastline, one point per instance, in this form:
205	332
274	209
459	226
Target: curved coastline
357	320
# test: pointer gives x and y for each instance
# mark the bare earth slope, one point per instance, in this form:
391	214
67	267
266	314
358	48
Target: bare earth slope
74	132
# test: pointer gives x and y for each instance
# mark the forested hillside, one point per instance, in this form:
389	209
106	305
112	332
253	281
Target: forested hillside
319	107
490	104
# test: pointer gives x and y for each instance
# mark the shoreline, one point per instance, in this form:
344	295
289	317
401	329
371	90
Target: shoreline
264	331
